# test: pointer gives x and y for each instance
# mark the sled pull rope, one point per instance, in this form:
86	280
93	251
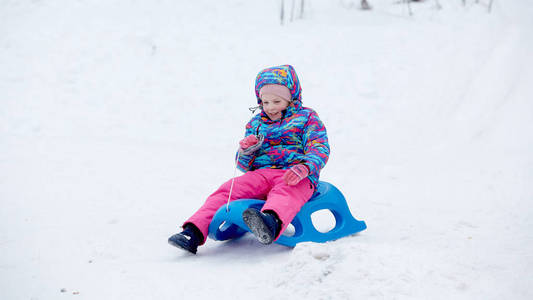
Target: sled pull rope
233	179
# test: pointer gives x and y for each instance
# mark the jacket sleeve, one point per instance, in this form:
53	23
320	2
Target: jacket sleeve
316	146
245	161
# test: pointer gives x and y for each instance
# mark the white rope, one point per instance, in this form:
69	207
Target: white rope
233	179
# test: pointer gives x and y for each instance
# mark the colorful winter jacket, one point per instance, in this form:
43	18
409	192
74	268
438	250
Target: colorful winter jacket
298	137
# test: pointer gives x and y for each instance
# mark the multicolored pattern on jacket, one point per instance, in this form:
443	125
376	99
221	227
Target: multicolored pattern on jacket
298	137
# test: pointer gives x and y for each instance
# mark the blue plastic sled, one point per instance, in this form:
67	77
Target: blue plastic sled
229	224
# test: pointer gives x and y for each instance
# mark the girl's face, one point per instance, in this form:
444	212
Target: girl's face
273	106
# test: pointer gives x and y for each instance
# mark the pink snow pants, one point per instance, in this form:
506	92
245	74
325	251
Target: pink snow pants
264	184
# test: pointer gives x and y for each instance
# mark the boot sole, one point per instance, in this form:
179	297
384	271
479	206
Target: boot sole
182	245
261	231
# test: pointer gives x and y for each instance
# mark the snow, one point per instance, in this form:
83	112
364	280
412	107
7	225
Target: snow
118	118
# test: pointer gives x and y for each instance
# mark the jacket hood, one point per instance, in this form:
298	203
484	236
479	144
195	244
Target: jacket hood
284	75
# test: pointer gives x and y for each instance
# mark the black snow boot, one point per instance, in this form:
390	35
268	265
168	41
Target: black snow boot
188	239
264	225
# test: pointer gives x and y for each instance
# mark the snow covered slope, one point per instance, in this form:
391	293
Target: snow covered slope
118	118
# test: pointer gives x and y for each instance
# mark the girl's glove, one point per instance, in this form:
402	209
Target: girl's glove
250	144
248	141
295	174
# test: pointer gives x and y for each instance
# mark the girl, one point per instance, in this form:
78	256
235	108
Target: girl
284	148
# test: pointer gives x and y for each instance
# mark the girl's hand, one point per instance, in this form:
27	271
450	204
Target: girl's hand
295	174
248	142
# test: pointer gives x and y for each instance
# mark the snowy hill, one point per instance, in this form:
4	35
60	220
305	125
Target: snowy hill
118	118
